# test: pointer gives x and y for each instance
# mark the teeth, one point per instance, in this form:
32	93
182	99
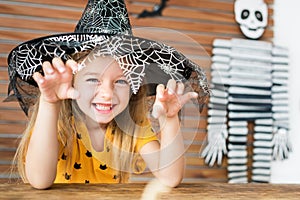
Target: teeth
103	107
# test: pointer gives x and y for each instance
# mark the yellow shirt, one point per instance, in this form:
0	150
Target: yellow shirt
89	166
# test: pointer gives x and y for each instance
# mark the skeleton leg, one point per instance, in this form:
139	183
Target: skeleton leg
237	152
262	150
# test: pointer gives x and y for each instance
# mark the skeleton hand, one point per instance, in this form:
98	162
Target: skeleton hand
215	148
281	144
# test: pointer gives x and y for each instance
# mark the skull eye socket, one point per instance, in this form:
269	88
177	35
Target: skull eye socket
259	16
245	14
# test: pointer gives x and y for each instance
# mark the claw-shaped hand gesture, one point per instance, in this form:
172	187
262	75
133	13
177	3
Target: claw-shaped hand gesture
56	84
170	100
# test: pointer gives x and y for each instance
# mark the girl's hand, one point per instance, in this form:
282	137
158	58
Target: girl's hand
170	100
56	84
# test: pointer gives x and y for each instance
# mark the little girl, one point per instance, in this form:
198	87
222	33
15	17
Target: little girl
90	138
90	120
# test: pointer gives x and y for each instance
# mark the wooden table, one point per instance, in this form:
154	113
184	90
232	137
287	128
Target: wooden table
133	191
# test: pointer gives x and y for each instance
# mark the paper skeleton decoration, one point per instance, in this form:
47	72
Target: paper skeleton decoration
249	84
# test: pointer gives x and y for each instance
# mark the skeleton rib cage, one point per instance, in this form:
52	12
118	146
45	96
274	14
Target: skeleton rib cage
249	84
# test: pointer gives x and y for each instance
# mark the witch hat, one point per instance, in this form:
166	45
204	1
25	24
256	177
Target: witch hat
105	29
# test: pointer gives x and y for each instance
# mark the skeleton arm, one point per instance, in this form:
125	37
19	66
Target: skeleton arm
216	130
216	148
217	109
281	142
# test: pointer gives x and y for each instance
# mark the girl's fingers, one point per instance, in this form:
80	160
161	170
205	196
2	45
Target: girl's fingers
47	68
186	97
72	93
160	89
180	88
39	79
171	86
157	109
170	100
73	65
58	64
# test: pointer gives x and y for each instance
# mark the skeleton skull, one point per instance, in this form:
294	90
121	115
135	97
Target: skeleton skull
252	16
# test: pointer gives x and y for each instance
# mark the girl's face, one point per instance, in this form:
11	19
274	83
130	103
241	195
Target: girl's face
104	91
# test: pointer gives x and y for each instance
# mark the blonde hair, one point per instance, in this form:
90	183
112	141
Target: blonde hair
124	139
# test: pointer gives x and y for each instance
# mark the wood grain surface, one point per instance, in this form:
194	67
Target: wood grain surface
184	191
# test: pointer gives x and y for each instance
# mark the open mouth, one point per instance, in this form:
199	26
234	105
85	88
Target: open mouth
103	107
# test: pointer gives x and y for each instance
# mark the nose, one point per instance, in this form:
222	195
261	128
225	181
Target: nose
105	90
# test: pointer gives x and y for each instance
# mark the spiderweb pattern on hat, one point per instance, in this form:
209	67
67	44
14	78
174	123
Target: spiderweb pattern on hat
114	18
135	55
28	58
103	24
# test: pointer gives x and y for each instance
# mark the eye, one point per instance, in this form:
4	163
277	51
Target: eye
122	82
245	14
92	80
258	16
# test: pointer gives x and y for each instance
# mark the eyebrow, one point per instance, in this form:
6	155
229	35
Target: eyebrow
98	74
92	73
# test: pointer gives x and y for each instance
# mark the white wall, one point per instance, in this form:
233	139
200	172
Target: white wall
287	33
